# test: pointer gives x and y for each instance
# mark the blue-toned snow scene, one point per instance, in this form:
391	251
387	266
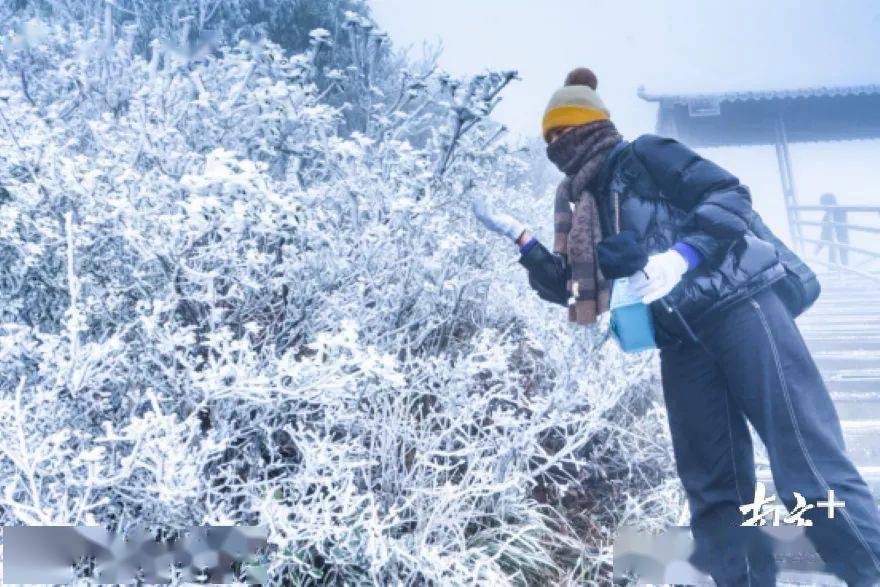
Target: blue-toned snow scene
440	292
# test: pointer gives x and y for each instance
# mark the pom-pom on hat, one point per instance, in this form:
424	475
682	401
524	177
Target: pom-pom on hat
574	104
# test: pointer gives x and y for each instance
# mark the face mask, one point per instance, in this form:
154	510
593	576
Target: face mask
562	151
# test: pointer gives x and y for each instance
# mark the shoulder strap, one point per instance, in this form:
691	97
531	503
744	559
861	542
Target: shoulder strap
611	162
629	172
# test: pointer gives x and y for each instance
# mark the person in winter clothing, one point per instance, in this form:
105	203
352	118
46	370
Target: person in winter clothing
681	228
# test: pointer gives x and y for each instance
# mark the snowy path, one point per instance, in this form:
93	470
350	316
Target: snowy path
843	331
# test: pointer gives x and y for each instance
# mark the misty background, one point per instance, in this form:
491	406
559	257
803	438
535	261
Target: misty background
668	47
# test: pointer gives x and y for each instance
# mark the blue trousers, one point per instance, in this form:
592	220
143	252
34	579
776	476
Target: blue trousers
751	363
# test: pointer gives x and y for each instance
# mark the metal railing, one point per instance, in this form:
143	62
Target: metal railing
833	232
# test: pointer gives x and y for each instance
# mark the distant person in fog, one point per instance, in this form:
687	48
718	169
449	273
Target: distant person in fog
834	232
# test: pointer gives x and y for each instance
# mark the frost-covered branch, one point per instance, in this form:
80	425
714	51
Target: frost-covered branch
227	297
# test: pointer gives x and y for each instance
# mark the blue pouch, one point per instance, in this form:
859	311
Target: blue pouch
631	320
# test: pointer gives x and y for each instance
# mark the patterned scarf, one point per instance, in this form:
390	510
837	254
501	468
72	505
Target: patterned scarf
580	153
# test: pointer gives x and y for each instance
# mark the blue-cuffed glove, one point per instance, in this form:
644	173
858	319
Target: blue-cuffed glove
659	276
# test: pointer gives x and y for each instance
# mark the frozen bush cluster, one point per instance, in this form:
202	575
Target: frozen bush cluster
229	296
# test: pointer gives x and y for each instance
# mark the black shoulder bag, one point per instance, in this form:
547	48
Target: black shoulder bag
800	287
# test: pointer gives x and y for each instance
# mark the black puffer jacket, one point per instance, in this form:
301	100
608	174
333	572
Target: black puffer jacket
667	193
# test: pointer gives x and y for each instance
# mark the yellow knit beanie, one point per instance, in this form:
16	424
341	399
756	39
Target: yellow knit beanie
575	104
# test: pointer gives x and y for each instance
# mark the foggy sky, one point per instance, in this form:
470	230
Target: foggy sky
687	45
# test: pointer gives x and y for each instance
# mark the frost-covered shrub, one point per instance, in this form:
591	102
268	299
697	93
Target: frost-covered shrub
219	304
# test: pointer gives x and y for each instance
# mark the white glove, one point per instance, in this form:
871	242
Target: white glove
503	224
659	277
